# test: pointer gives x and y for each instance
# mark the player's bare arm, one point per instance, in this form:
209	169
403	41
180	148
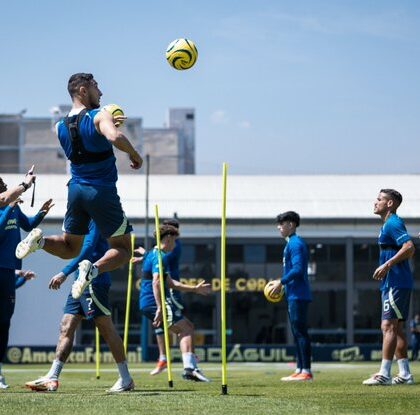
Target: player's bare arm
201	288
56	281
9	196
156	292
406	252
27	274
45	208
104	123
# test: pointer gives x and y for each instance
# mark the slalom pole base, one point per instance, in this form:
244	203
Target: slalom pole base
170	383
224	390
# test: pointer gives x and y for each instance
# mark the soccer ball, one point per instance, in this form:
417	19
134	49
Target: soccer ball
276	298
182	54
115	110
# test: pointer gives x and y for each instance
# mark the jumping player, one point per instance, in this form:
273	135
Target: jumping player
151	304
297	292
93	304
396	248
87	137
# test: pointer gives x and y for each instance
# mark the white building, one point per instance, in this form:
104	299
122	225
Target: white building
337	222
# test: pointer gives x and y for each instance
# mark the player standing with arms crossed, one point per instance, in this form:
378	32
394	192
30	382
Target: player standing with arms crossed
396	248
87	137
297	292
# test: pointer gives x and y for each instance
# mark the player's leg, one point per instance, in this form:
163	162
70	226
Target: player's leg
297	311
64	246
75	226
404	375
106	210
401	303
68	326
162	361
291	306
4	338
109	333
389	327
118	254
7	308
303	342
184	329
95	303
176	300
104	207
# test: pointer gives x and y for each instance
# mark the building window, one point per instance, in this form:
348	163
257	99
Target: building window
189	116
255	254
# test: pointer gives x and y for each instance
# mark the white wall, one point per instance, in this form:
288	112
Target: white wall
39	310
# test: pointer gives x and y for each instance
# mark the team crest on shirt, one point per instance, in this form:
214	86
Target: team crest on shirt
11	224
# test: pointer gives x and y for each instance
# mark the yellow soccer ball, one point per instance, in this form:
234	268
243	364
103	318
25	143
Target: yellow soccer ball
273	298
115	110
181	54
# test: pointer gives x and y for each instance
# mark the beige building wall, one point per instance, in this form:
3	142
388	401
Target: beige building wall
25	141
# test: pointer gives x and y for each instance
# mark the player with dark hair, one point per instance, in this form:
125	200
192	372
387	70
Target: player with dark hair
93	304
12	220
87	137
396	248
172	261
151	303
297	292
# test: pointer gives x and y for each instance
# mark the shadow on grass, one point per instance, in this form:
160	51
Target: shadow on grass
159	391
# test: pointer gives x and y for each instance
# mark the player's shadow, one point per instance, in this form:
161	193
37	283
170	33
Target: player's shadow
151	392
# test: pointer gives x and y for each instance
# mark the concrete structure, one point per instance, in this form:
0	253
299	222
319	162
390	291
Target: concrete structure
337	223
31	140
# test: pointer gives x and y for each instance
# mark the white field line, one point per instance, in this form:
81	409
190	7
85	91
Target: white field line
236	367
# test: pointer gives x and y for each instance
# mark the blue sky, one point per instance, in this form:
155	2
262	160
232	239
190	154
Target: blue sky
280	87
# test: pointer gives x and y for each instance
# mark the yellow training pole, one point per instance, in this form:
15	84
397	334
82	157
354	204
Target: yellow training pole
129	290
98	353
163	299
223	281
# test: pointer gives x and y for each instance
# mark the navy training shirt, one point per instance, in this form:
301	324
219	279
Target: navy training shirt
151	266
392	237
12	220
102	173
295	267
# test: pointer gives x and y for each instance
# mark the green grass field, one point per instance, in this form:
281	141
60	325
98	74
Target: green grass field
253	389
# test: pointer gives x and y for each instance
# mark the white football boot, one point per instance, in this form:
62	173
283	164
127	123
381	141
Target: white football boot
377	380
83	280
401	380
43	384
29	244
3	384
119	386
195	375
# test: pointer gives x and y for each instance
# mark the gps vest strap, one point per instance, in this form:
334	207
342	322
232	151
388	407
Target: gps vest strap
79	154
